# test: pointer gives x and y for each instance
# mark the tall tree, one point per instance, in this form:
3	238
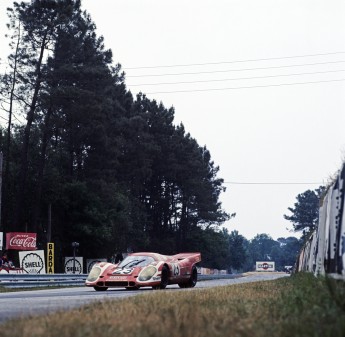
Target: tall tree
237	250
8	100
41	21
213	245
261	246
81	101
173	177
117	171
73	104
286	253
305	213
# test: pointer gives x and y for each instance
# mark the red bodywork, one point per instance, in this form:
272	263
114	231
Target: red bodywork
146	270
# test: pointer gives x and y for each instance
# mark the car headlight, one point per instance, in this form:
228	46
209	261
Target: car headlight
94	273
147	273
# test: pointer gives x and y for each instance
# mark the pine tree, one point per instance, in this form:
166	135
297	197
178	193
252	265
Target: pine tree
41	22
305	213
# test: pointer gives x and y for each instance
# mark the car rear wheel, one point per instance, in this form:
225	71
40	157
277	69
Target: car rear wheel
100	288
192	280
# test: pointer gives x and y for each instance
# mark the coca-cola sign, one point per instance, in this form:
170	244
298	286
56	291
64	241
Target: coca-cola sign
21	241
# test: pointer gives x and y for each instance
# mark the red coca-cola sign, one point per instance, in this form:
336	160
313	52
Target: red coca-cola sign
21	241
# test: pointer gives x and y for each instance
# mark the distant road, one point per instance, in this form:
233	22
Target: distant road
35	302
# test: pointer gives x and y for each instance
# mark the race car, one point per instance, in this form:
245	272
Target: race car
146	270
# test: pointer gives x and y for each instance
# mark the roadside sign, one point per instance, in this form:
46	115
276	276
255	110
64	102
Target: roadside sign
32	262
265	266
74	265
50	258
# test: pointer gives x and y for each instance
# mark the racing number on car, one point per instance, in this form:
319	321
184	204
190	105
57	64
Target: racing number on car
176	269
125	271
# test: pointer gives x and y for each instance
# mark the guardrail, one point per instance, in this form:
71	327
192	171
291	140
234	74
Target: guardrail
41	280
56	280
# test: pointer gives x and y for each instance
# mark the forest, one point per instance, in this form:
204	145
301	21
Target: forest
85	161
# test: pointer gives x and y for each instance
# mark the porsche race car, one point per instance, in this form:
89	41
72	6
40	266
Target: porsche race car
146	270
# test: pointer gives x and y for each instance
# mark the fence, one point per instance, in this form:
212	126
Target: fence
324	252
56	280
41	280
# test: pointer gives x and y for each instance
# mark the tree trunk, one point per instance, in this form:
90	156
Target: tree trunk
41	166
5	227
19	214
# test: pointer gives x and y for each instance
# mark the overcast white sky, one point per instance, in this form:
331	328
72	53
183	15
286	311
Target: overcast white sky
258	126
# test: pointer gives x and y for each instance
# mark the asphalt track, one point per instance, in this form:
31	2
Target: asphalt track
39	302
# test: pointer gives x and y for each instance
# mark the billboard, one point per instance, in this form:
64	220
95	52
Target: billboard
21	241
73	265
265	266
32	262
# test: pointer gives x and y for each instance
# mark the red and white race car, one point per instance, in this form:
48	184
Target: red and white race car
146	270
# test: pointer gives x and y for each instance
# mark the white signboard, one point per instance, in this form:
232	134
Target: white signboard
32	262
91	262
265	266
1	240
74	266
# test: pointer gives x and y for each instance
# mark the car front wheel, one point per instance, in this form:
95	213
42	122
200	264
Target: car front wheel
164	279
100	288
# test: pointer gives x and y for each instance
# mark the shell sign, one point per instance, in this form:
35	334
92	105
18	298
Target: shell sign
32	262
21	241
74	265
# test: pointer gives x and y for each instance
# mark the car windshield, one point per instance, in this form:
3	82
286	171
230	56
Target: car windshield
136	261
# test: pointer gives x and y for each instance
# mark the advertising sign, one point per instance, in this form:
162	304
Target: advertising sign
265	266
90	263
32	262
1	240
74	265
21	241
50	258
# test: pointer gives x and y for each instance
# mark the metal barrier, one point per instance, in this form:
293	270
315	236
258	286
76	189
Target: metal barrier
56	280
41	280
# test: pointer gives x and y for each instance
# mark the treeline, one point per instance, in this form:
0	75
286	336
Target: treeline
91	163
85	161
243	253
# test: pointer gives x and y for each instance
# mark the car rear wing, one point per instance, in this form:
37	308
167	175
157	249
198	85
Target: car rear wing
192	257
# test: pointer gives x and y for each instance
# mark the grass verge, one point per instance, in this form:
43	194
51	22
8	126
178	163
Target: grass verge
300	305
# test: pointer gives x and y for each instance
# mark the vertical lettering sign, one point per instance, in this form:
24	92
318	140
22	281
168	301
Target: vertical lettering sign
50	258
